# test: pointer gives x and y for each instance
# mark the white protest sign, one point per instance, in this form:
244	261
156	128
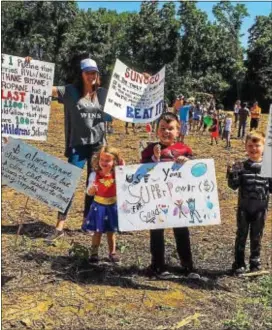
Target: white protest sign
266	170
134	98
39	175
26	97
162	195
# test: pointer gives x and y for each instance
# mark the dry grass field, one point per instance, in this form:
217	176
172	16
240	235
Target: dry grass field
44	287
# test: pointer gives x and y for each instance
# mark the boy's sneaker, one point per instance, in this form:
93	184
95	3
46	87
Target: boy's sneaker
239	270
159	272
51	238
94	259
114	258
255	268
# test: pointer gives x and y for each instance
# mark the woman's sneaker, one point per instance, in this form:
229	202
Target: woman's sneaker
94	259
51	238
114	258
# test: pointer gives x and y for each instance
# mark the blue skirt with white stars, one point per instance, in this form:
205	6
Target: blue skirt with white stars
101	218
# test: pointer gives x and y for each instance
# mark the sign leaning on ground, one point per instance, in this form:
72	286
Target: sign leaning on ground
134	98
38	175
266	170
166	195
26	97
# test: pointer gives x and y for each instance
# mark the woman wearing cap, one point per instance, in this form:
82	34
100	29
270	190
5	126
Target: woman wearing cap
84	124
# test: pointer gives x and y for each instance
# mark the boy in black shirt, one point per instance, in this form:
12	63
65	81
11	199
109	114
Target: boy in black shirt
252	202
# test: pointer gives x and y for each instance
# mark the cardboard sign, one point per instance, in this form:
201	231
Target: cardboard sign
134	98
26	97
266	170
162	195
38	175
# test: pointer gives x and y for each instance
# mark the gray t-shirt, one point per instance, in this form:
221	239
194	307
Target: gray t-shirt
84	118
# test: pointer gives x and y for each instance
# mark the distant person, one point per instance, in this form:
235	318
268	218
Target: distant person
214	130
133	127
255	113
184	119
102	216
236	109
178	103
243	115
227	130
168	150
108	123
253	201
197	115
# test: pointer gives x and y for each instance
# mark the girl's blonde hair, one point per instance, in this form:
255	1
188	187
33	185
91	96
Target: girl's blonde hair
109	150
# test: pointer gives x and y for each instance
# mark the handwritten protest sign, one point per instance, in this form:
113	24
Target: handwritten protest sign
161	195
38	175
266	170
134	98
26	97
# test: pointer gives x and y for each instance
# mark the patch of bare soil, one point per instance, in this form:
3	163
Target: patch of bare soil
46	287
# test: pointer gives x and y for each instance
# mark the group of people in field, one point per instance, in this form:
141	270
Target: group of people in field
85	143
206	116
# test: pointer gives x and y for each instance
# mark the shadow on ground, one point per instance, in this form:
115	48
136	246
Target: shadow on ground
105	273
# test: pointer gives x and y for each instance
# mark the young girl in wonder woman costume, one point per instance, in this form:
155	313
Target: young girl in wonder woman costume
102	217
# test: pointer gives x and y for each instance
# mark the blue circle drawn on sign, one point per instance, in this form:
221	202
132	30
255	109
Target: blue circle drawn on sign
199	169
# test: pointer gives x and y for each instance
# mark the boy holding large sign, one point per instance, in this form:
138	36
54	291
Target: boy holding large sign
168	150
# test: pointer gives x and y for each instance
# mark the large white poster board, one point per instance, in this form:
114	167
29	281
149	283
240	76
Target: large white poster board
162	195
266	170
38	175
134	98
26	97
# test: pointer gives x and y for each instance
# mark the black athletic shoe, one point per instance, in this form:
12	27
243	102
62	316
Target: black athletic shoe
51	238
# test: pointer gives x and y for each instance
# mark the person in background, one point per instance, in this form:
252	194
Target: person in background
108	123
168	150
255	113
133	128
214	129
197	114
253	198
236	109
227	129
243	115
221	119
178	103
184	119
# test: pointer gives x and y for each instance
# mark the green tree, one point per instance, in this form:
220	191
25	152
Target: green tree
259	61
230	18
151	37
36	28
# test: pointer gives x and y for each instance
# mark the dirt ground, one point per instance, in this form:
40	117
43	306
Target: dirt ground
46	287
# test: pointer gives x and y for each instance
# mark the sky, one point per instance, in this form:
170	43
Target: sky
255	8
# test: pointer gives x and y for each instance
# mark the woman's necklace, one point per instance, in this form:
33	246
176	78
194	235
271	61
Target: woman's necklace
89	95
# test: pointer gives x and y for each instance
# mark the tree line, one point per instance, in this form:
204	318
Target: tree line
200	56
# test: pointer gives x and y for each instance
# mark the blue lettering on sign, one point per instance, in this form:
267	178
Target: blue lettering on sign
139	113
148	113
130	112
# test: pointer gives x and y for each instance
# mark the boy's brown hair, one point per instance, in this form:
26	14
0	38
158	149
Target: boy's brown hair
168	117
255	137
109	150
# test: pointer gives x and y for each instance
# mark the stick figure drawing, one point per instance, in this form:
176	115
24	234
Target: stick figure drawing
193	212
